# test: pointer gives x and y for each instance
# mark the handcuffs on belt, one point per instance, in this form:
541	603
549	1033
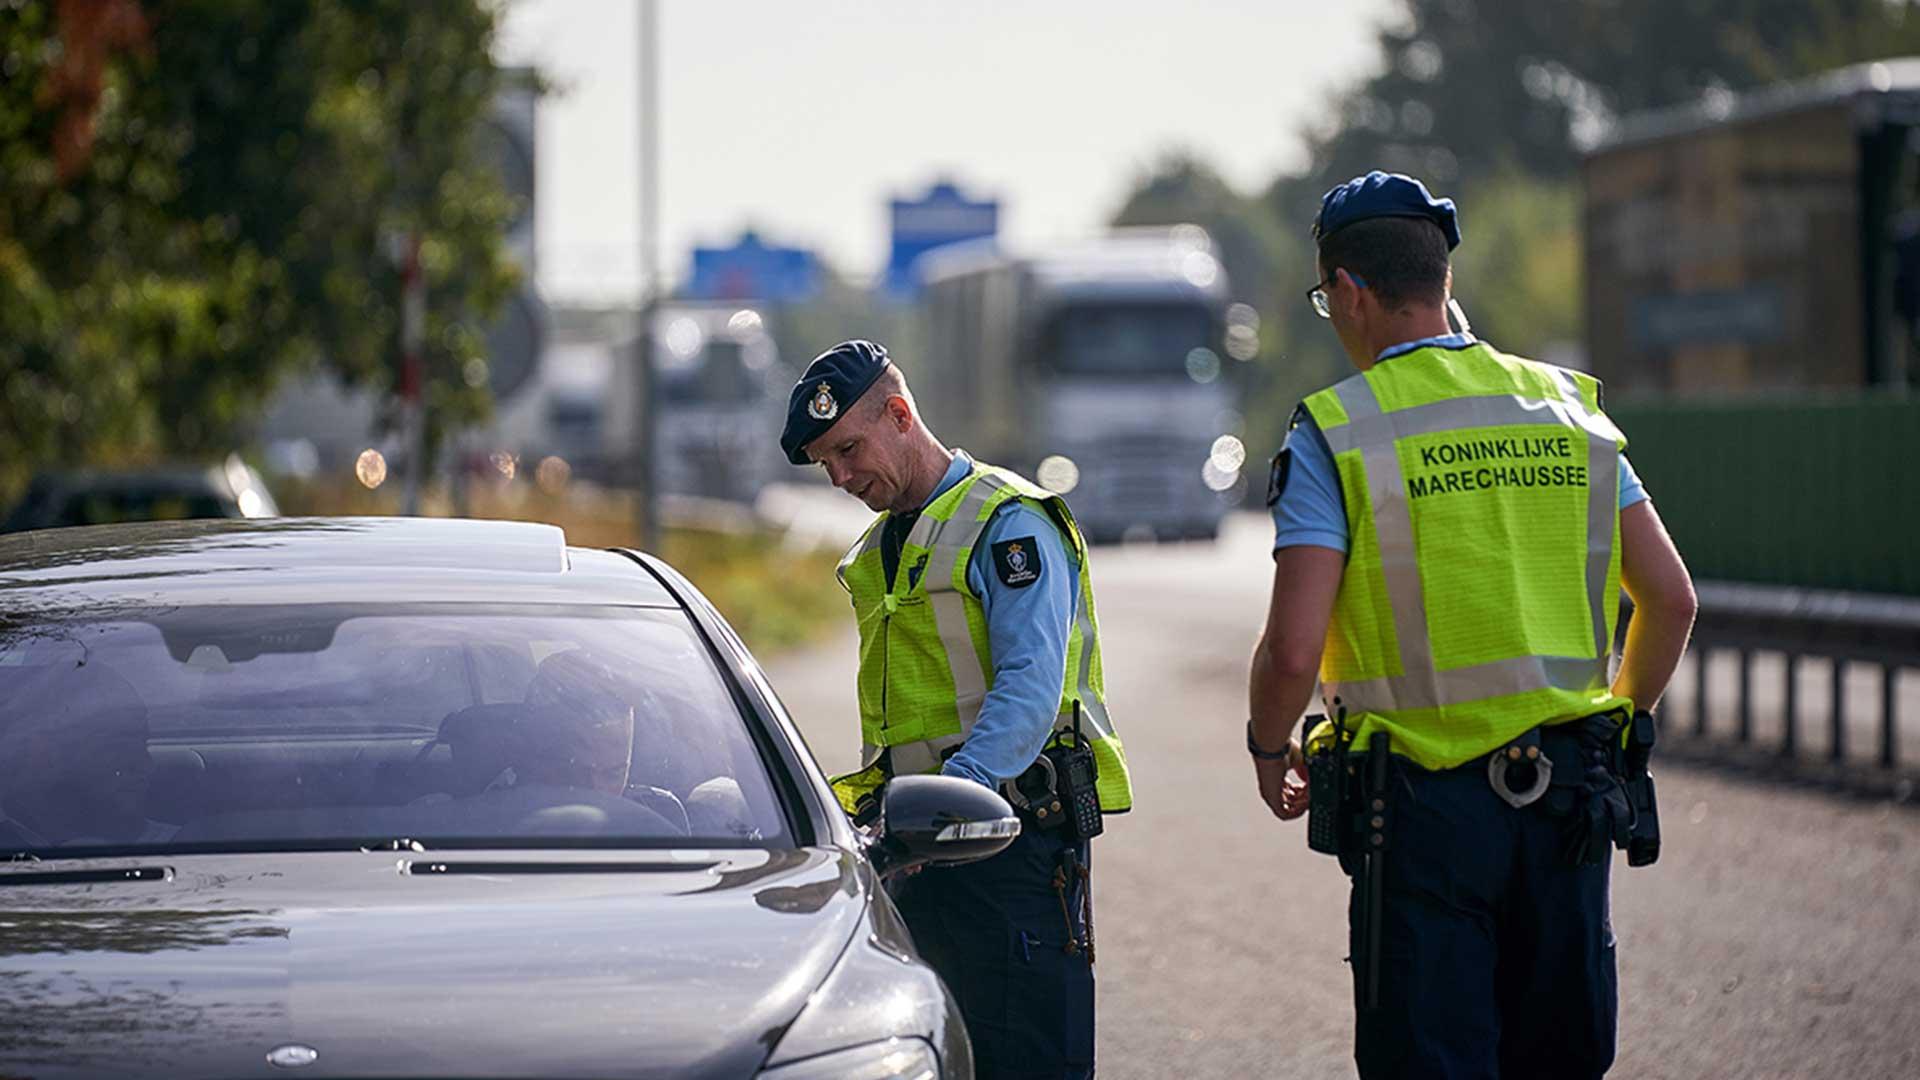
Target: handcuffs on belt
1516	760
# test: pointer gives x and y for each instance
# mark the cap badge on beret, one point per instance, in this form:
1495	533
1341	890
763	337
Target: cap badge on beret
823	407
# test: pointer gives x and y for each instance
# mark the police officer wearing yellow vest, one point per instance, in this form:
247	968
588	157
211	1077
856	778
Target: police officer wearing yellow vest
978	649
1453	527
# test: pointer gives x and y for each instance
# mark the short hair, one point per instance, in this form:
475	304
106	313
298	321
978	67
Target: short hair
1403	260
888	383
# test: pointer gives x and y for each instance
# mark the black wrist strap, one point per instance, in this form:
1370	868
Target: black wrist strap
1282	754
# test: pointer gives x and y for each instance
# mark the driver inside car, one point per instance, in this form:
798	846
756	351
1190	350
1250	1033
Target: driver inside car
74	768
580	732
572	754
585	707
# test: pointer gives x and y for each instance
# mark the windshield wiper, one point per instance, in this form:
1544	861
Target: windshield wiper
86	877
574	866
32	856
398	843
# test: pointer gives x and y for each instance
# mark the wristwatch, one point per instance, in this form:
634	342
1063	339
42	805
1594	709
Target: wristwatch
1285	753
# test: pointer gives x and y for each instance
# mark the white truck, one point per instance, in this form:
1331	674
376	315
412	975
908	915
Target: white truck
1098	368
719	391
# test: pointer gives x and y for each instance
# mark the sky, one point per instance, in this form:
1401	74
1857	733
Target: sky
801	119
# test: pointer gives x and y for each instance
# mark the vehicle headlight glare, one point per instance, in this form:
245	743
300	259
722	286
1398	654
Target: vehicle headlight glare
1216	478
895	1059
1203	365
1228	453
1058	474
370	468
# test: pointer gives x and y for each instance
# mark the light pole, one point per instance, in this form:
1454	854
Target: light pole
647	82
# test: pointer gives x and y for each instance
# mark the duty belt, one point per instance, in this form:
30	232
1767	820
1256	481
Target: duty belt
1523	771
1600	787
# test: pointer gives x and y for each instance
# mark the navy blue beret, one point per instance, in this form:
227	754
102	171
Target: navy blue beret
1383	194
832	383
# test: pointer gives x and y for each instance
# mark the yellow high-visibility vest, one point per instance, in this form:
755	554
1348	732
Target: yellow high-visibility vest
926	659
1483	573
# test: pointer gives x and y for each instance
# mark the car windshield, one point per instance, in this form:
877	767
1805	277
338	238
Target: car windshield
299	727
1140	339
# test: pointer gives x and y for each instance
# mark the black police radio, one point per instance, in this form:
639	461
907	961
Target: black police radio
1061	788
1327	784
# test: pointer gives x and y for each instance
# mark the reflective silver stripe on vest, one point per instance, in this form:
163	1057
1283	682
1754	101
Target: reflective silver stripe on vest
1091	705
949	540
1399	561
1496	410
868	541
924	756
1374	433
1497	678
1603	507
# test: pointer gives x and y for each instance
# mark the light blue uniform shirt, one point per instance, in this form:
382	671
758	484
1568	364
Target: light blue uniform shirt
1027	628
1310	510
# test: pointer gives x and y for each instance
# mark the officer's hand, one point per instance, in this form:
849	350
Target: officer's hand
1283	784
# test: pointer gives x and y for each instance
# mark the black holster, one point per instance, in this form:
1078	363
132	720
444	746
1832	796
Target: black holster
1643	844
1601	790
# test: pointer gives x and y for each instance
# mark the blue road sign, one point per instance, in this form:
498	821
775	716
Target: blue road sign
944	216
751	270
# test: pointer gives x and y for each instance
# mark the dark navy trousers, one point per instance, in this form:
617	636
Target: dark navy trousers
1497	957
995	932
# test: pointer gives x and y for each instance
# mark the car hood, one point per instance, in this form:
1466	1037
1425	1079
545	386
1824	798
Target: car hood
552	963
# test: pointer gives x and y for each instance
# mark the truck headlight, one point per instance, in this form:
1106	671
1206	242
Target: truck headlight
895	1059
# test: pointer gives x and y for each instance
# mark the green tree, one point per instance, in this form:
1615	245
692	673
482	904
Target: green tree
1525	262
1469	91
1181	188
200	196
1492	101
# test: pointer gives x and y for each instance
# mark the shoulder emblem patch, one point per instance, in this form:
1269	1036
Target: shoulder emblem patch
1277	475
1017	562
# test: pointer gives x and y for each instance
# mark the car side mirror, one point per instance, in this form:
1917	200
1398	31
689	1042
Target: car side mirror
940	820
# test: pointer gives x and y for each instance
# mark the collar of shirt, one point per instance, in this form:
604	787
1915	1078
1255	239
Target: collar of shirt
957	471
893	536
1444	341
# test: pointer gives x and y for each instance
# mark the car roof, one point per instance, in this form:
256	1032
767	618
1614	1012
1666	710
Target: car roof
314	560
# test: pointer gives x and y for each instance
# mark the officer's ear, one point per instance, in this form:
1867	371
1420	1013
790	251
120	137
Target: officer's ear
898	413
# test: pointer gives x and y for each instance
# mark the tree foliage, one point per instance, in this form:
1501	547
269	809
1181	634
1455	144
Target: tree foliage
1472	90
1491	101
1525	262
199	196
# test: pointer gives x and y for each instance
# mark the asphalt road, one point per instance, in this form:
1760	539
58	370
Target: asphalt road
1778	936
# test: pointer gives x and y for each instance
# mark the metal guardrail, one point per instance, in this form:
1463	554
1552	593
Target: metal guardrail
1845	629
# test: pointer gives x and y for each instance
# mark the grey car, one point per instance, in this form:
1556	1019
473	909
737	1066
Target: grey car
405	797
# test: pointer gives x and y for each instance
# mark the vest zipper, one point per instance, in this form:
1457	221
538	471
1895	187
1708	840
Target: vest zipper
886	650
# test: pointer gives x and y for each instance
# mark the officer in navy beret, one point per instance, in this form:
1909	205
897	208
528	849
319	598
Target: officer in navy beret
1453	525
841	374
978	652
